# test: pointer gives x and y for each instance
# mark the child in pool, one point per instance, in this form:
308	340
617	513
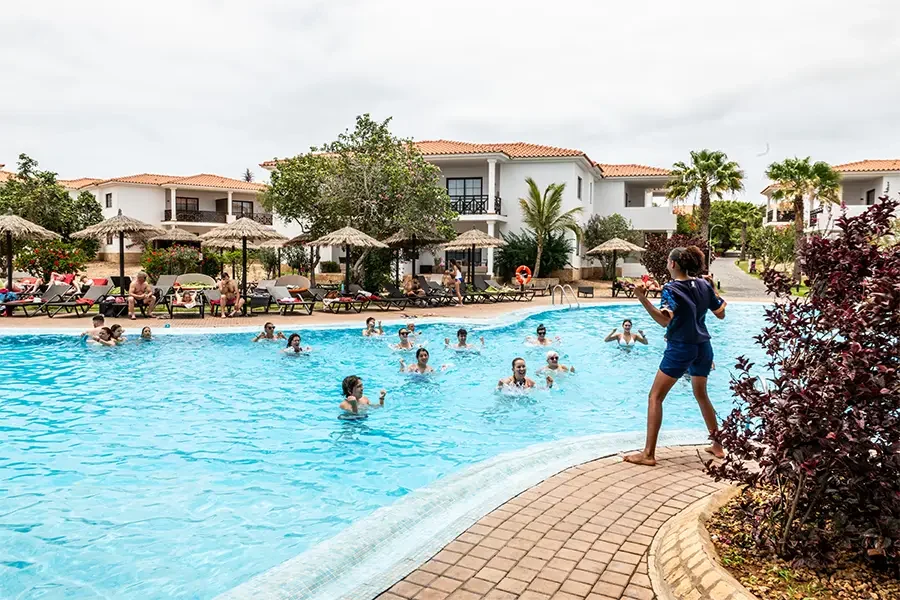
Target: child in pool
353	395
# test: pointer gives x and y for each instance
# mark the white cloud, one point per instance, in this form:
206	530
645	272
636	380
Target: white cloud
108	88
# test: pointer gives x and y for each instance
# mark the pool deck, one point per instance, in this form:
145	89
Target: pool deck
582	534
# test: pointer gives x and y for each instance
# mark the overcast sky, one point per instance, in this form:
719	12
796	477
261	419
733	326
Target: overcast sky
104	89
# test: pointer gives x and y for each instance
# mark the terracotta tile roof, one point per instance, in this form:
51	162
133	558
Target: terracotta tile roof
771	188
6	175
199	180
869	165
632	171
77	184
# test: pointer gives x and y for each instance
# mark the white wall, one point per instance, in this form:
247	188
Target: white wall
611	200
892	184
144	203
854	190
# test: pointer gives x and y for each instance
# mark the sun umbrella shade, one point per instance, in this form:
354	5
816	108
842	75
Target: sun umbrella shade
241	229
615	245
405	239
300	240
24	229
119	224
175	235
347	237
476	238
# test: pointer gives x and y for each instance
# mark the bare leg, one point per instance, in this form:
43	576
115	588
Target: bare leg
661	386
151	305
131	307
458	294
709	413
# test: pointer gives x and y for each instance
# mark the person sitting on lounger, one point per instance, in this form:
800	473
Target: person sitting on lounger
268	334
405	343
98	321
230	296
461	341
141	291
626	338
553	364
146	334
104	337
293	345
412	289
541	339
519	377
421	365
118	334
354	400
370	329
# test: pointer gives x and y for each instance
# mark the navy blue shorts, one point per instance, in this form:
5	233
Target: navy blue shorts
693	359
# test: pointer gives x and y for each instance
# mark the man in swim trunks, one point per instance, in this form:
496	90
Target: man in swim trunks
143	292
269	334
230	296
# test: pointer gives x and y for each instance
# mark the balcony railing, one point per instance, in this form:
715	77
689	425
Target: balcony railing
214	216
475	205
814	216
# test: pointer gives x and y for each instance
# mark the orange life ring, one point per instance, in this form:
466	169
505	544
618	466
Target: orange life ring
523	280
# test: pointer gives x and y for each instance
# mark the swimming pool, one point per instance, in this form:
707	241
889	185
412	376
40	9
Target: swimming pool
182	467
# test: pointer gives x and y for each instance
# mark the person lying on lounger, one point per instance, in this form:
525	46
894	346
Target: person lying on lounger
354	400
269	334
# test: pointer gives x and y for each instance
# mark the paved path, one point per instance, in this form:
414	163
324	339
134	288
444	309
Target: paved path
582	534
735	282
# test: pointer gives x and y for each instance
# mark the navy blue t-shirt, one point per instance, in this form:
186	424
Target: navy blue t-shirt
688	302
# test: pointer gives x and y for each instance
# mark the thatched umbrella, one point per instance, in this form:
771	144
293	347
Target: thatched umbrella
176	235
13	226
474	238
348	238
615	246
118	225
411	240
243	230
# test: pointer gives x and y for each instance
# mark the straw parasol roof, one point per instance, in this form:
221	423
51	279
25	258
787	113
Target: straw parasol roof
24	229
175	235
242	228
615	245
119	224
347	236
303	238
404	238
476	238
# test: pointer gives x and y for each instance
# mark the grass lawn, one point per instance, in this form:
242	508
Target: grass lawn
744	266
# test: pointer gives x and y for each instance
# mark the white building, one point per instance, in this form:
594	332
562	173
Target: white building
485	182
862	183
196	203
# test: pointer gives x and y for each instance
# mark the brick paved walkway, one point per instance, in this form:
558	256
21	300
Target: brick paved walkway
582	534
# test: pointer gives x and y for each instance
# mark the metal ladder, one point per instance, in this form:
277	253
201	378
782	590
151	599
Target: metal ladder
563	295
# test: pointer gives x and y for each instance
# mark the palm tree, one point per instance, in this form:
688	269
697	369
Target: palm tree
747	214
798	179
711	174
543	214
248	176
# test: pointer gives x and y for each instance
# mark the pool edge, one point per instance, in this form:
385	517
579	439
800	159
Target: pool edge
373	553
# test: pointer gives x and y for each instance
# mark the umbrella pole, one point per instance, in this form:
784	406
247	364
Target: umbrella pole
122	263
615	273
414	256
9	258
347	269
472	266
279	262
244	277
397	270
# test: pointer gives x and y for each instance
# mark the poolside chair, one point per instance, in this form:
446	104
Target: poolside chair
259	296
438	294
495	293
382	302
292	282
124	284
333	302
518	295
38	303
623	286
396	294
81	304
281	296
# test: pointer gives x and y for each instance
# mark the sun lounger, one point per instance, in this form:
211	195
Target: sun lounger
382	302
80	305
334	302
494	293
281	296
517	295
36	304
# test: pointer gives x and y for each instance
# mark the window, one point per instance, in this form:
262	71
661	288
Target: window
242	207
462	257
591	193
870	197
109	202
464	186
579	188
187	204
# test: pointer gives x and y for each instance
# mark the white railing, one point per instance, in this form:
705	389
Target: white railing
563	295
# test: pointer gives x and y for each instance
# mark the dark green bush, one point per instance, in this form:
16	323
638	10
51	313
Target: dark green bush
521	249
330	266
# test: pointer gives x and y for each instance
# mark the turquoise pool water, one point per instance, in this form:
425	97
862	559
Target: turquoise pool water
182	467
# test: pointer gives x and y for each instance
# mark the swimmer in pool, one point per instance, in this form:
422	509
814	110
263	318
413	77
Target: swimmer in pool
146	334
553	364
104	337
118	334
626	338
461	341
413	334
371	330
269	334
353	395
541	339
519	378
421	365
293	345
405	342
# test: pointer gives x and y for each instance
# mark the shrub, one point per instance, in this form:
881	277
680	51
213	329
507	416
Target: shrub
521	249
173	260
211	265
297	258
825	429
377	268
330	266
772	245
47	257
602	229
656	252
268	258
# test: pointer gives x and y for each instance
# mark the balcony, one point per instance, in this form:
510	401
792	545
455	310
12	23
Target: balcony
475	205
214	216
814	216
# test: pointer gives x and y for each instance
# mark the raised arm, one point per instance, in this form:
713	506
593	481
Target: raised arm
663	317
639	336
380	330
612	335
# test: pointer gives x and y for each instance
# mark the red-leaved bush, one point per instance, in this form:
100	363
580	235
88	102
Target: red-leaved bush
657	248
820	426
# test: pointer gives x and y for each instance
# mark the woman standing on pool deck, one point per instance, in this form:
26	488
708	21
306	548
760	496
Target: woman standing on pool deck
457	280
682	311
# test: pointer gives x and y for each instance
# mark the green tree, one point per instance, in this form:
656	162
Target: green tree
730	220
367	178
710	174
247	176
602	229
773	246
543	214
798	179
86	211
521	249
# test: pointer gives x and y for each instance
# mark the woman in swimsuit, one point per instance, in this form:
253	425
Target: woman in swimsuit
293	345
461	341
405	343
118	334
354	398
146	334
626	338
519	378
421	365
104	337
457	280
541	339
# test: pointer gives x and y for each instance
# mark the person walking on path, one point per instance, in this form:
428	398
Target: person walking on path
682	311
